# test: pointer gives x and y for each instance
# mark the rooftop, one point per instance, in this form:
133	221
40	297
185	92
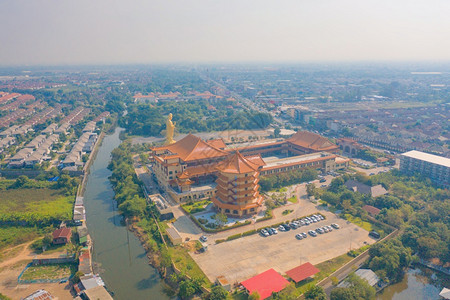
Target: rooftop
238	164
274	161
193	148
302	272
265	283
434	159
311	140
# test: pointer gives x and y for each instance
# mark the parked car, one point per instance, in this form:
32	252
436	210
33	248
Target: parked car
203	238
304	235
325	229
281	228
264	232
374	234
293	226
329	228
335	226
299	236
274	231
286	227
319	230
322	180
312	233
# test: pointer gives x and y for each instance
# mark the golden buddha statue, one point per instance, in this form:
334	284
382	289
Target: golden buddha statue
170	129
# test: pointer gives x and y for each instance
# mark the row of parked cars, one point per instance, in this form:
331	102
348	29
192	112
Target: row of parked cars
323	229
293	225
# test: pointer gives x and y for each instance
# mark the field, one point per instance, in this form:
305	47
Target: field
54	271
15	235
45	203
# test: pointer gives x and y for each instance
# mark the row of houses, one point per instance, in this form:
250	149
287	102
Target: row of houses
6	143
34	152
84	145
91	285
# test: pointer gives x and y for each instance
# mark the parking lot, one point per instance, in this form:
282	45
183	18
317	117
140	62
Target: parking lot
245	257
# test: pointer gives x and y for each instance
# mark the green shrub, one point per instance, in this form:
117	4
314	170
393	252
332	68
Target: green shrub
233	237
250	232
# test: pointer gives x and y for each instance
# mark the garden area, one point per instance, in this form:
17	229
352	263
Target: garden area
195	207
49	272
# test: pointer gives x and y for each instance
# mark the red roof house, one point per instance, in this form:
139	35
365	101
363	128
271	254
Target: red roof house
61	235
302	272
265	283
372	210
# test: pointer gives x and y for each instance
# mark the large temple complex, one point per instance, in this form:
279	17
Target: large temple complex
192	169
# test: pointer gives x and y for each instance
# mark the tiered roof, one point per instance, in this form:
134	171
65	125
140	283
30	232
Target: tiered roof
238	164
192	148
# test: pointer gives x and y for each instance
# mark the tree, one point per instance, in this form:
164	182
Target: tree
254	296
315	292
221	219
218	293
276	132
358	288
133	207
21	181
311	189
288	293
187	289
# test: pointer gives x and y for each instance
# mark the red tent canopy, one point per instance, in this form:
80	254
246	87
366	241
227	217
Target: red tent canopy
302	272
265	283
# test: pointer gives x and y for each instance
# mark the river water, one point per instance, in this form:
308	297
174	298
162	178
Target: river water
419	283
123	266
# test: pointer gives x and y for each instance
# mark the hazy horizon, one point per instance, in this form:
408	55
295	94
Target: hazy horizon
55	33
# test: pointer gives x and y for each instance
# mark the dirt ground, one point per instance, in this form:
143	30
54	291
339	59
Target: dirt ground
10	269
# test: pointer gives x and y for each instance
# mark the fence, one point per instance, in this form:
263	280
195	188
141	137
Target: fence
27	281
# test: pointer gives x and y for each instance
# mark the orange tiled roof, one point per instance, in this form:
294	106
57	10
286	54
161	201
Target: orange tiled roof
312	141
256	159
193	148
198	170
238	164
218	143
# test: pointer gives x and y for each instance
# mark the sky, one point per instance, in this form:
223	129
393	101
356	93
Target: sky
71	32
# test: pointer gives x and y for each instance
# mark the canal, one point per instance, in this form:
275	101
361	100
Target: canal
123	265
419	283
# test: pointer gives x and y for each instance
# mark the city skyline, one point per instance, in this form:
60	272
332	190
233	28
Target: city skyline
104	32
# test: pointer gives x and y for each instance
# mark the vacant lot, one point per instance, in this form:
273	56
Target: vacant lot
42	202
54	271
243	258
15	235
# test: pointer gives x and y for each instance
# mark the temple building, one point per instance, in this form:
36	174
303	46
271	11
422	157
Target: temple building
193	169
237	191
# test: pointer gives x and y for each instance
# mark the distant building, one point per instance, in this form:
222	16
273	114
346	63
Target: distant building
349	146
437	168
62	235
365	189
